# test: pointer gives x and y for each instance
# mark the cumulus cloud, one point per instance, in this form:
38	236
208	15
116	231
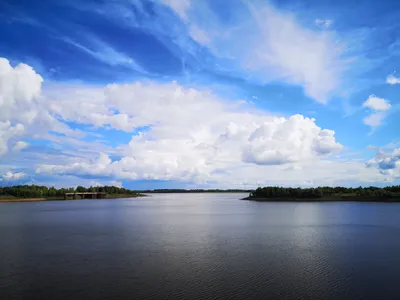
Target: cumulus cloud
99	167
86	105
391	79
192	134
388	163
228	175
376	103
10	176
19	87
7	132
23	111
289	140
182	133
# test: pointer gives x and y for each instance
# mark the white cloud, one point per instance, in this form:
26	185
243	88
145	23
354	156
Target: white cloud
377	103
380	107
19	146
190	135
67	181
86	105
199	35
391	79
296	54
272	45
193	134
375	119
23	111
104	52
115	183
260	43
388	163
323	23
10	176
179	6
307	173
7	132
19	87
289	140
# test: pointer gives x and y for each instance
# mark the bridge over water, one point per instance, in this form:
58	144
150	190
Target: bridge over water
86	195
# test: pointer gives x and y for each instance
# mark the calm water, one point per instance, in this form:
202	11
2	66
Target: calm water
199	246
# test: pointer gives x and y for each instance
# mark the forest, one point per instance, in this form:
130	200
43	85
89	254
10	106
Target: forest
269	192
196	191
36	191
334	193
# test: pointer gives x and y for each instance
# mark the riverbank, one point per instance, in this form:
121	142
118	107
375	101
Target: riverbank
6	199
325	199
16	199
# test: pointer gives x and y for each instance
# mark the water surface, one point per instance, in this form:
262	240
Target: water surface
199	246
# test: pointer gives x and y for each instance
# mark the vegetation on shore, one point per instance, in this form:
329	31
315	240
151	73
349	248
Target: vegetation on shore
275	193
195	191
37	193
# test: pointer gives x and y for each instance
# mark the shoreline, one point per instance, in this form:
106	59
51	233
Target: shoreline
25	200
324	199
11	200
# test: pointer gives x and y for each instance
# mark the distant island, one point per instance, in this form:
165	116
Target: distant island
321	194
40	193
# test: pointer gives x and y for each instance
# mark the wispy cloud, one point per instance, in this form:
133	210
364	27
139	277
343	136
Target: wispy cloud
179	6
265	44
199	35
323	23
104	52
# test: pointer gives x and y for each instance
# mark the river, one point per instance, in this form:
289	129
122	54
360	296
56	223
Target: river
199	246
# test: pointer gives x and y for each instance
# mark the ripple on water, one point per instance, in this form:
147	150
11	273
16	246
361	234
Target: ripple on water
199	247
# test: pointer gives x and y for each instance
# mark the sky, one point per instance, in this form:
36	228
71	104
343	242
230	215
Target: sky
199	94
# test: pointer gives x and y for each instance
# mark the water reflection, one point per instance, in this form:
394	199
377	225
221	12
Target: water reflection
198	247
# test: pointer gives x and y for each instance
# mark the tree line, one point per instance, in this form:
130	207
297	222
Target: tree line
195	191
326	191
36	191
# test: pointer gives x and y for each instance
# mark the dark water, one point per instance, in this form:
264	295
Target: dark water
201	246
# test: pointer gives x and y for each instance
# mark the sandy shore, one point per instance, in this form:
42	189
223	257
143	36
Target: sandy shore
23	200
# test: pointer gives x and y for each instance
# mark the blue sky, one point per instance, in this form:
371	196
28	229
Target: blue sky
185	93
